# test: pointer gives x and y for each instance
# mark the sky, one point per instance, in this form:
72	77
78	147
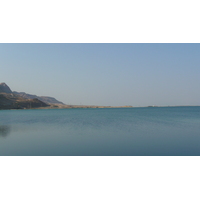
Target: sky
109	74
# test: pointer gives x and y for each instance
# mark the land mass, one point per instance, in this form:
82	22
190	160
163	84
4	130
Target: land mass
45	99
11	101
84	106
20	100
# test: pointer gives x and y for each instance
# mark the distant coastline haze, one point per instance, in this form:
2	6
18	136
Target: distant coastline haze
105	74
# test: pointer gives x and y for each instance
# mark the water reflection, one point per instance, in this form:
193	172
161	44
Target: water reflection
4	130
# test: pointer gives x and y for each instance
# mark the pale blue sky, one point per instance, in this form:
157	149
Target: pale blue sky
105	74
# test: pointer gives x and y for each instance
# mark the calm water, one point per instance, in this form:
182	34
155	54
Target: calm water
100	132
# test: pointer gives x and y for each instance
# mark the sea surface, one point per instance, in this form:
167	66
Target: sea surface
150	131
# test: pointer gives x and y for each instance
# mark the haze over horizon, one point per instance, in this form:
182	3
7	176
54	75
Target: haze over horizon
104	74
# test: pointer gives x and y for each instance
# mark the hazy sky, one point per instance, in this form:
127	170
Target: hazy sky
105	74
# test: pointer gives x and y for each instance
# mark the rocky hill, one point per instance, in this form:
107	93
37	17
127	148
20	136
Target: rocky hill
11	101
4	88
21	100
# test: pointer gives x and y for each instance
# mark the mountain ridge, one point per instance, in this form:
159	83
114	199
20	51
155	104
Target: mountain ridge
22	100
4	88
45	99
12	101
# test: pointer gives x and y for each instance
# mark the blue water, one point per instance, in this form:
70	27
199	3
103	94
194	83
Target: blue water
166	131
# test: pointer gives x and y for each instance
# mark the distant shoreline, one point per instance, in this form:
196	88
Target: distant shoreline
92	106
80	106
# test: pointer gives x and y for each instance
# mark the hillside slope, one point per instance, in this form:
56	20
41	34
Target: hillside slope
20	100
4	88
11	101
45	99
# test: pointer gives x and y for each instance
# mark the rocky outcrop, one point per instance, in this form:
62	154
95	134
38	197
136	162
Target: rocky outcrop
4	88
15	100
11	101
